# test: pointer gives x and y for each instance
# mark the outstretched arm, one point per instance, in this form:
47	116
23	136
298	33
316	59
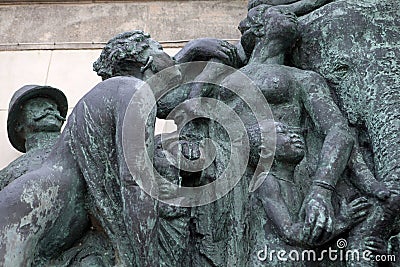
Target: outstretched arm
205	49
298	7
303	7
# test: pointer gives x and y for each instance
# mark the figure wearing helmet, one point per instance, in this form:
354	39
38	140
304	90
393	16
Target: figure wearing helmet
35	117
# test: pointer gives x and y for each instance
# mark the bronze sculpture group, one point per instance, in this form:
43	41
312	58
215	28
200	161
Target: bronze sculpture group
328	178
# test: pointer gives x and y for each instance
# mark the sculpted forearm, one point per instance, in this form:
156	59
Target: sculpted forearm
305	6
298	7
334	155
330	122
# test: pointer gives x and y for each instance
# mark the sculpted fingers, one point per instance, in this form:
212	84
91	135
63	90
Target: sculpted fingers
359	205
319	223
329	225
223	56
323	228
319	228
292	17
376	245
358	209
231	52
309	224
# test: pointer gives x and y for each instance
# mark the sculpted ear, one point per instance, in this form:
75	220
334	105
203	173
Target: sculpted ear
266	153
19	128
259	30
20	122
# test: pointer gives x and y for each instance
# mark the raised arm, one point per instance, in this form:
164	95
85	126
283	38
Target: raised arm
298	7
205	49
304	6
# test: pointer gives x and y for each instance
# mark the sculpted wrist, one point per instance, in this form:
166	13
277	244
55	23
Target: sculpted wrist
324	185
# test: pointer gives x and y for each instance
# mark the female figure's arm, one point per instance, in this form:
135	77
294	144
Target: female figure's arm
205	49
298	7
334	155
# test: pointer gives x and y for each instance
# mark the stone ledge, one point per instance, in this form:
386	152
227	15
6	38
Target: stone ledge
98	22
82	45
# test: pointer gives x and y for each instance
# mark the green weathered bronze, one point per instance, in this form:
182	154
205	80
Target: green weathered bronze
35	117
330	77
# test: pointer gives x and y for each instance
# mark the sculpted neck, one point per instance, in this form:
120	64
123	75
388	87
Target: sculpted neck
41	140
282	170
268	52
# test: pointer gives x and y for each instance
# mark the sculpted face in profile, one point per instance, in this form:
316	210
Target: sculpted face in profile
290	145
267	23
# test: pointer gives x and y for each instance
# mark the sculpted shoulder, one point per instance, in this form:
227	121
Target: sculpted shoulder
120	83
113	89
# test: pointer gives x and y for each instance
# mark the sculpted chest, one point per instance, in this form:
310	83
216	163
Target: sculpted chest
278	87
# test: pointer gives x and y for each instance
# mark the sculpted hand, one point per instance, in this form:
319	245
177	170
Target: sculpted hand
380	191
218	49
376	245
228	54
318	211
295	236
352	213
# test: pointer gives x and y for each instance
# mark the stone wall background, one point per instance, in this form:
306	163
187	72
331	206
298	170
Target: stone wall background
55	42
98	22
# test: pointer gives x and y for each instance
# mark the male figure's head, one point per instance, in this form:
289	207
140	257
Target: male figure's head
132	54
136	54
270	23
35	109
